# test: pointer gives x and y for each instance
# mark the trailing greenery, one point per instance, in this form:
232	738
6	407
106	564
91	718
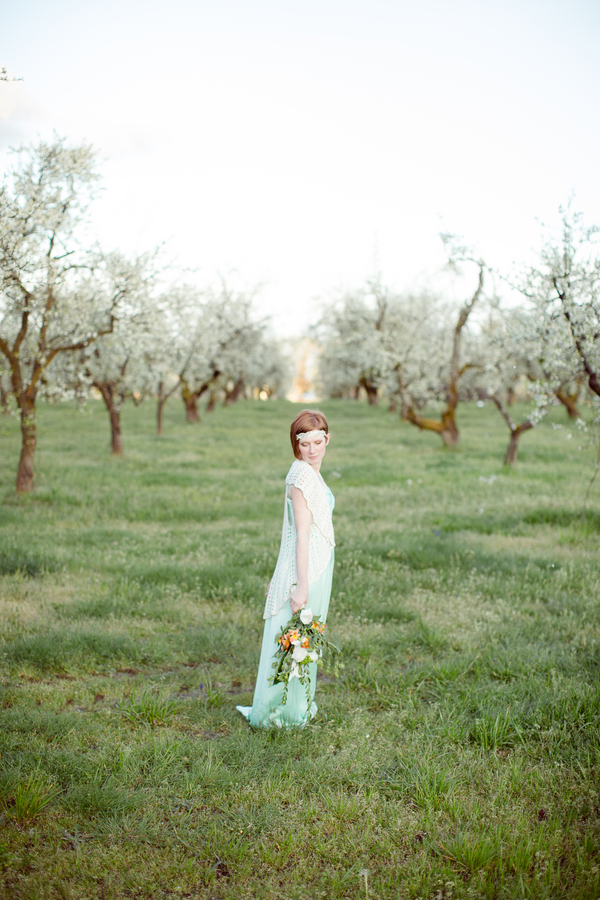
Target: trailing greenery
456	756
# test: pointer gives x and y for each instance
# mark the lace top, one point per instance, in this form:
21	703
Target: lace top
321	540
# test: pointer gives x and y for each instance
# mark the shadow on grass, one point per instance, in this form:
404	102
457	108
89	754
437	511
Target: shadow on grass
55	650
446	553
587	522
20	561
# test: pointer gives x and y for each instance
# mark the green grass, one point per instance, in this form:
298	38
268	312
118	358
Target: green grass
457	755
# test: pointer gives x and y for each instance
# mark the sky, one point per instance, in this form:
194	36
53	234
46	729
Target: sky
309	146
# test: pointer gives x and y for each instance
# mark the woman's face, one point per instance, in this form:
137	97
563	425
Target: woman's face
313	449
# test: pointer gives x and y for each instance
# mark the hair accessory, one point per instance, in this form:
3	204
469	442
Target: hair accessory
310	434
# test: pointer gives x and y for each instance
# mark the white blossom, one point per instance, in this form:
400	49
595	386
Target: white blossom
299	654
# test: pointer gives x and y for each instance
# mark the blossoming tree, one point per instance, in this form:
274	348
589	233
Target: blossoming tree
510	350
267	369
564	290
57	292
429	367
224	333
413	344
175	344
353	354
119	364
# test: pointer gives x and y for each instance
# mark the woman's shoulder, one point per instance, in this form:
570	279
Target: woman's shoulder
299	471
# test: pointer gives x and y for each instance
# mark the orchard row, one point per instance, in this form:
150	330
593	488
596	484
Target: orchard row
76	319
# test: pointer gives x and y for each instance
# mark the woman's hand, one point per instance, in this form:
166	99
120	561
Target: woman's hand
299	599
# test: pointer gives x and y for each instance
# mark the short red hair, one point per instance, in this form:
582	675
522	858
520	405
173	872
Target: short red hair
307	420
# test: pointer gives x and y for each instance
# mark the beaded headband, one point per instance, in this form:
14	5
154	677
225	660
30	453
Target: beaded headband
310	434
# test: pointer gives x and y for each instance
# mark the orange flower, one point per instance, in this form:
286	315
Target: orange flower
306	642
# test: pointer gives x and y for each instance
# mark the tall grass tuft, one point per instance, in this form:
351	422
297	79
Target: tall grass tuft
29	799
150	708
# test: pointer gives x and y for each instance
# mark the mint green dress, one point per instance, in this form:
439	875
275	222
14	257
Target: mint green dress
267	710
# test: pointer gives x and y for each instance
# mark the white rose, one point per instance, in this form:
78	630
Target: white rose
314	655
306	616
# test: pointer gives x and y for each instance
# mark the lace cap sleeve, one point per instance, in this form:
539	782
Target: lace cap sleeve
303	476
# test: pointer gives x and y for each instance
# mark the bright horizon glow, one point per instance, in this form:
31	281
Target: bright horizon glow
307	147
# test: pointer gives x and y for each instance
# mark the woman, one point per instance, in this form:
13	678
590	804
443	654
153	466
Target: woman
302	575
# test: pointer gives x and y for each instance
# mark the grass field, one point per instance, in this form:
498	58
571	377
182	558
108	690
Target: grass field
456	756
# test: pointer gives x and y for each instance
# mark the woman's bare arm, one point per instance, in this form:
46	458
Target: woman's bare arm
303	520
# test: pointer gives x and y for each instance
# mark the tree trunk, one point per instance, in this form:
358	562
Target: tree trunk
393	407
28	443
449	432
115	431
233	395
371	391
4	395
160	405
511	453
515	431
569	401
190	400
163	396
513	445
114	412
372	396
446	427
191	407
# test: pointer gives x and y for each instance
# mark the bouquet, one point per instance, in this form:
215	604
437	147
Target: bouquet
301	642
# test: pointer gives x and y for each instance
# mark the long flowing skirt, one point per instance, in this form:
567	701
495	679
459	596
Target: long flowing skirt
267	710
